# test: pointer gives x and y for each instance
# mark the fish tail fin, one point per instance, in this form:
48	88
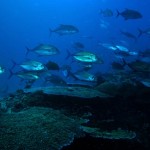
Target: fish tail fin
140	32
118	13
28	50
14	64
10	74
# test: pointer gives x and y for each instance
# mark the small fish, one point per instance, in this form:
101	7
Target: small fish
52	65
108	46
145	53
85	76
139	66
65	30
87	57
129	14
129	35
26	75
78	45
106	13
2	70
133	53
32	65
121	54
146	31
44	49
121	48
118	49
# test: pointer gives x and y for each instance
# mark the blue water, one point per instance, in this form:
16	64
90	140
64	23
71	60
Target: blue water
26	23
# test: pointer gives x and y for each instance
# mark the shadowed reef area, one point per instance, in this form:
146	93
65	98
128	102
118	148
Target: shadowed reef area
39	118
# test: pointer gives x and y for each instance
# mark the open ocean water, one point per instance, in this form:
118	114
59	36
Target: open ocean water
74	74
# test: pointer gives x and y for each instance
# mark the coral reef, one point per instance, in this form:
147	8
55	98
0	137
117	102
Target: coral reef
76	91
53	117
37	128
113	134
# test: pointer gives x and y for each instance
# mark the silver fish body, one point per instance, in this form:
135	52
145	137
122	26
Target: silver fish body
32	65
65	29
85	76
86	57
44	50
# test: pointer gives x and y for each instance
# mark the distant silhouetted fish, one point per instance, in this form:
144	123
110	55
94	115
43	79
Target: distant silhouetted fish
106	13
129	35
65	29
78	45
145	53
129	14
44	50
52	65
139	66
146	31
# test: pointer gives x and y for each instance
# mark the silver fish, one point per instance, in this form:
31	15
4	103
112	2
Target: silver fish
129	35
122	48
87	57
106	13
44	49
32	65
65	30
146	31
85	76
108	46
28	75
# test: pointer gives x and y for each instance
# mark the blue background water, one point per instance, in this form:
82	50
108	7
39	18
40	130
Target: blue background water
27	22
